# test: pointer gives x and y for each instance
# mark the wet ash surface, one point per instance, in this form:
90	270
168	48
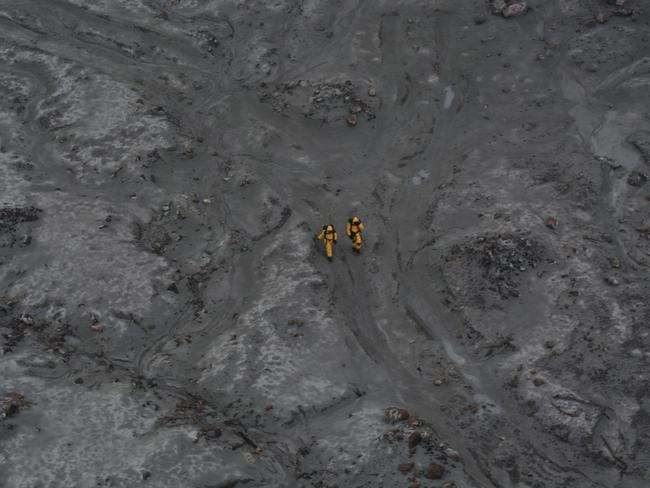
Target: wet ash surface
166	318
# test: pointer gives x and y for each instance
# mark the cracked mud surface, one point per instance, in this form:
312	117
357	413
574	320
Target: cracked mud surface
166	318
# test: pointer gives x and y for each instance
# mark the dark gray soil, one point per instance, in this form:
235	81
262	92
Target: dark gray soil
167	319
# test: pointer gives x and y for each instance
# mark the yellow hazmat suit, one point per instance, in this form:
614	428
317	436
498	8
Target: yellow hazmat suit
329	238
353	229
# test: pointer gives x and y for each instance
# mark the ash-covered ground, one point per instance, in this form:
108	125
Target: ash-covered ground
167	319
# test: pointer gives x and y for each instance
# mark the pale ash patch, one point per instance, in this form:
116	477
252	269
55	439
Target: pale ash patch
13	186
112	127
81	263
105	120
277	368
86	435
359	432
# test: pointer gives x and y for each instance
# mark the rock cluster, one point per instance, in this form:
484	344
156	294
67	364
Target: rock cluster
10	219
502	257
508	8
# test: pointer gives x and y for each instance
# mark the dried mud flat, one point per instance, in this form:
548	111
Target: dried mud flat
167	320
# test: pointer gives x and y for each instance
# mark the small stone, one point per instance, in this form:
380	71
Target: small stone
188	151
405	467
515	9
146	475
351	120
414	439
438	382
551	223
268	408
549	344
396	414
372	92
97	328
26	319
612	281
212	433
434	471
452	454
636	178
79	381
539	381
448	484
11	404
497	6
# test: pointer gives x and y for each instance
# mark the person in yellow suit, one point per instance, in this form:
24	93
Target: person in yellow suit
329	238
353	229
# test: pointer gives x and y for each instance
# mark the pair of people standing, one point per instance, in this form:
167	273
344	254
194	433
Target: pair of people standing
329	236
